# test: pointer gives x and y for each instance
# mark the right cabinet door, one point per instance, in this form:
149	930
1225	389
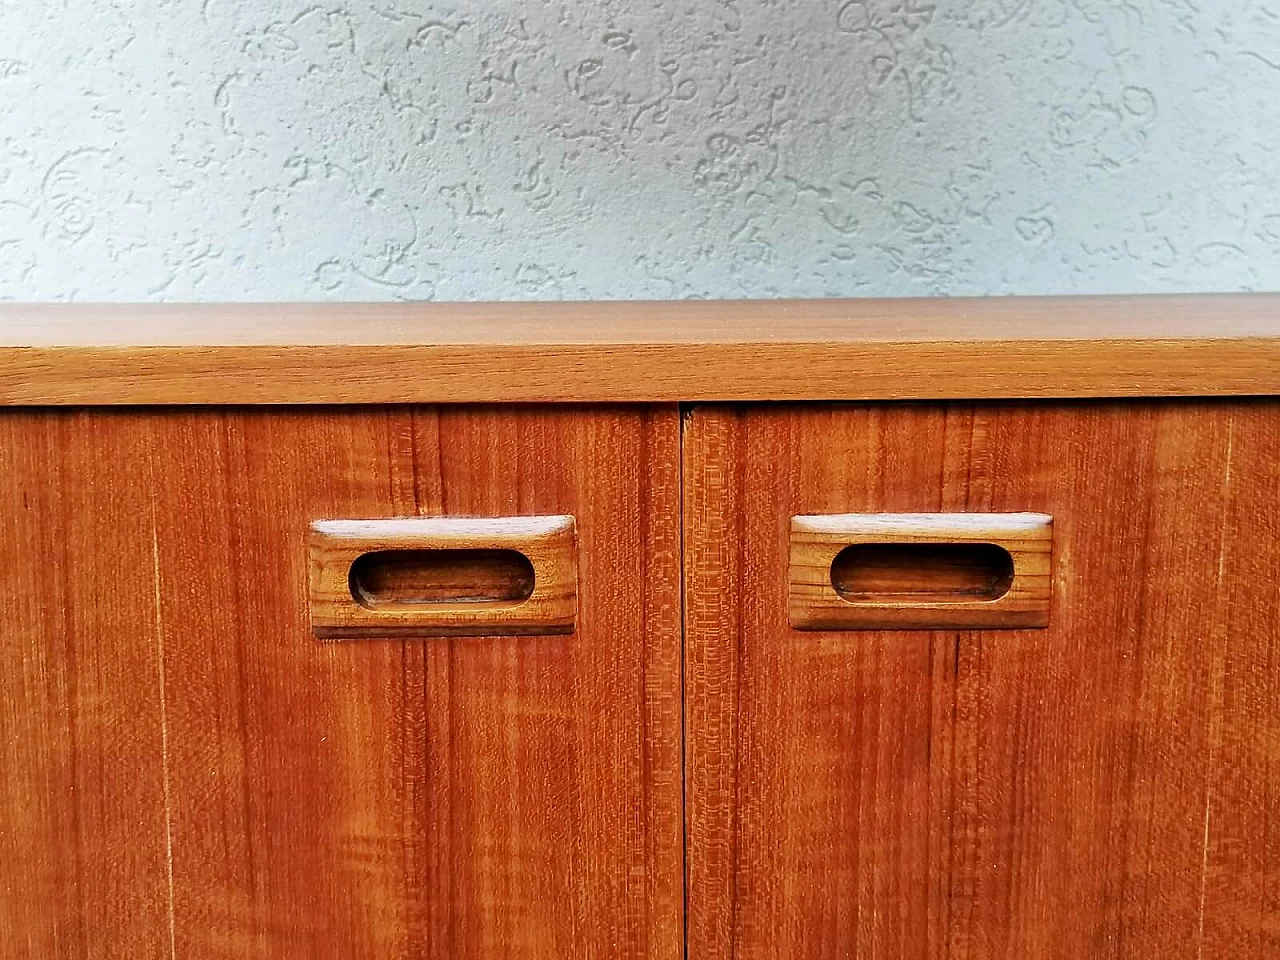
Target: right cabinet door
1107	785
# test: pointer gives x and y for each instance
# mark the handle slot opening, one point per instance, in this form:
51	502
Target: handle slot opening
407	578
922	572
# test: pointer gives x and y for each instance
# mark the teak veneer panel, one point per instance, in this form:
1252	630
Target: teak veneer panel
189	772
637	351
1106	787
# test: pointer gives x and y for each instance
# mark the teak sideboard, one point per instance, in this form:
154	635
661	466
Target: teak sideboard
795	629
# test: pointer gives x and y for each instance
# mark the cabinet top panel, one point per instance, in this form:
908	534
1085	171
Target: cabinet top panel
633	351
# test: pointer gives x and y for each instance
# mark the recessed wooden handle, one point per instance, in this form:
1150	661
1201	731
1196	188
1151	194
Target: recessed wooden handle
859	571
443	576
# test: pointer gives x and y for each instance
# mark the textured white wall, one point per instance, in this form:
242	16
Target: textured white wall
374	149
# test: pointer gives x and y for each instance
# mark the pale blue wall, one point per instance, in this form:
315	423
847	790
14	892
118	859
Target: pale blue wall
237	149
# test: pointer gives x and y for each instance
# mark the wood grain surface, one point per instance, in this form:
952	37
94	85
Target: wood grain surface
1107	787
636	351
189	772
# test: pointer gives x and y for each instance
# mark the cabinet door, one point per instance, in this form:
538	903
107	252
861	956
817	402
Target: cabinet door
1105	786
188	771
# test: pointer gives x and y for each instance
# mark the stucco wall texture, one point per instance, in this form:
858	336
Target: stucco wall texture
387	149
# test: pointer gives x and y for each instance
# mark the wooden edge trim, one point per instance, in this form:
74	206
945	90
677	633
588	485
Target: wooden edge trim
810	350
54	376
548	543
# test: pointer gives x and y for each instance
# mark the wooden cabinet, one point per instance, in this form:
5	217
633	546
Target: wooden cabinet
1106	786
188	771
730	631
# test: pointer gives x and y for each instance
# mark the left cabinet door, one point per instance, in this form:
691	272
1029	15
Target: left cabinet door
189	771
